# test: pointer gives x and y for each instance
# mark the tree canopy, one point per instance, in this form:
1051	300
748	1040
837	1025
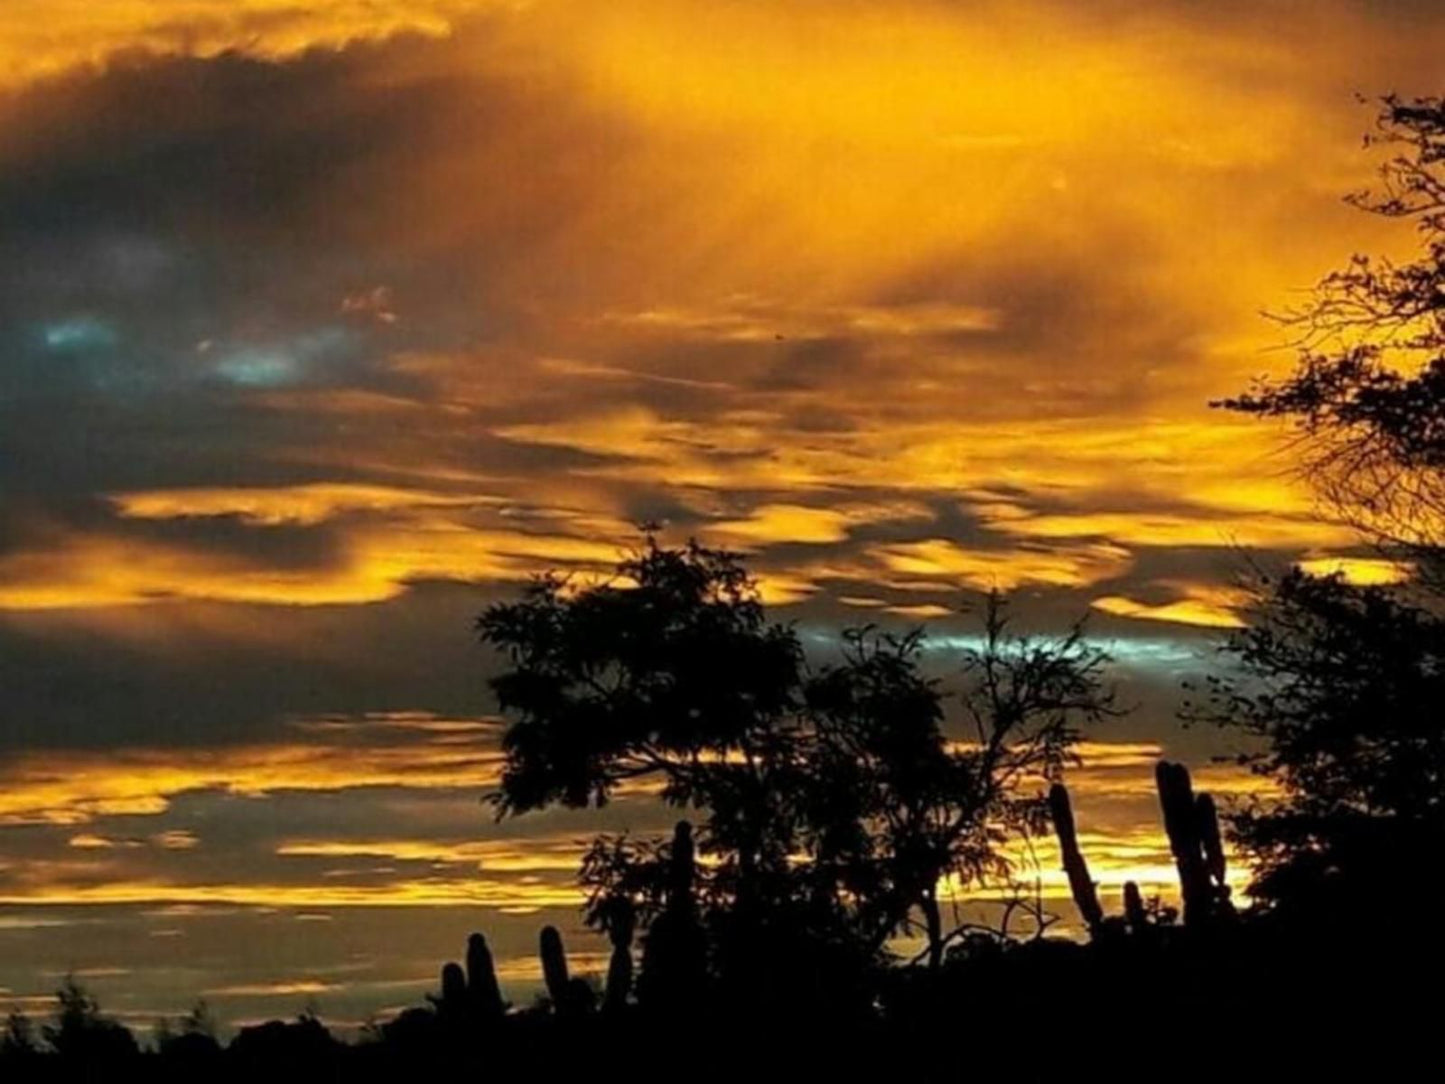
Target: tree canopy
831	797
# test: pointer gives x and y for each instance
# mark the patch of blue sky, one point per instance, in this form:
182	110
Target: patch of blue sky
1160	654
286	362
79	334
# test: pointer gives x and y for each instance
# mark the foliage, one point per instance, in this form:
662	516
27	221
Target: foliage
82	1033
1368	393
1343	686
831	801
18	1039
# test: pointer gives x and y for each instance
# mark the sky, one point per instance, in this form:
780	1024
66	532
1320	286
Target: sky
322	325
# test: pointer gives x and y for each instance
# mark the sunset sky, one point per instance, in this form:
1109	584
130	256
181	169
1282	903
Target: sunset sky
325	322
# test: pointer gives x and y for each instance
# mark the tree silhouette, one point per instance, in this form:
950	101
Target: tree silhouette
81	1033
924	809
1368	393
18	1043
831	804
1342	683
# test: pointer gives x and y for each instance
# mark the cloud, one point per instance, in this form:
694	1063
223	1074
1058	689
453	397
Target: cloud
1364	571
423	892
78	787
273	989
45	37
555	855
1204	605
938	560
1043	337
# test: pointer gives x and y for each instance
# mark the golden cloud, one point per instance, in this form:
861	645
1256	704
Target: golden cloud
1201	604
378	562
423	892
1361	571
61	787
45	37
531	855
305	505
939	560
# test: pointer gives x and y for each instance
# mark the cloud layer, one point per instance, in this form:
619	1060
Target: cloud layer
323	323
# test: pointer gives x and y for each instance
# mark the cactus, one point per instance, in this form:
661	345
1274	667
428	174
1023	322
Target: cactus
682	868
454	988
482	987
1086	897
1134	913
1209	837
621	922
1182	823
554	966
674	955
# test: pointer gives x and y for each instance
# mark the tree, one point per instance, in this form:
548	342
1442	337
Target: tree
1367	396
831	802
82	1033
191	1039
933	811
1343	684
18	1042
669	673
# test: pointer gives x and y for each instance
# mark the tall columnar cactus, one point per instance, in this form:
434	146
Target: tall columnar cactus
1182	823
1086	896
674	954
454	988
1134	913
682	868
621	922
1209	836
554	966
483	990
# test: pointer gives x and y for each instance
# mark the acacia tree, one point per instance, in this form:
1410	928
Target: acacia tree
1344	684
831	802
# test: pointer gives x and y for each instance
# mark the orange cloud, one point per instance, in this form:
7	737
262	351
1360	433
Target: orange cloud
783	523
274	989
44	37
378	562
424	892
949	563
59	787
533	855
1361	571
1178	529
305	505
1201	604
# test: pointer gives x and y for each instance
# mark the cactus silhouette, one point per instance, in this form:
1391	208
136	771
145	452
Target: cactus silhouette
621	922
1086	896
682	868
454	989
674	956
483	990
554	966
1209	837
1134	913
1182	823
